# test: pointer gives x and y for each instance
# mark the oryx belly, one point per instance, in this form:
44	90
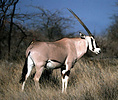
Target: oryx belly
52	64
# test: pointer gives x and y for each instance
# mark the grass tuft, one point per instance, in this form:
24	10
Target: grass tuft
89	80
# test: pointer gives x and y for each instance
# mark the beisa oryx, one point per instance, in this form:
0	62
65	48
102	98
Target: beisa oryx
59	54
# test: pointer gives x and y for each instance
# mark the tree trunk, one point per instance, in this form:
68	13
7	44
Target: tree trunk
10	31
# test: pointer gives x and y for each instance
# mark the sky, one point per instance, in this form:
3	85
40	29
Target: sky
94	13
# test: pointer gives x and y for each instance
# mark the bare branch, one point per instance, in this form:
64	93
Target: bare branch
11	25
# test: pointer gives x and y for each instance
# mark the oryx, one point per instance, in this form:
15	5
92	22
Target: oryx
59	54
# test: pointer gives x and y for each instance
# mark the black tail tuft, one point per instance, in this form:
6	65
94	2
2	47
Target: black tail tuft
24	72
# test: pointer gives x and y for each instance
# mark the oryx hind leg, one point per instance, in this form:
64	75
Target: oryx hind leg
39	70
30	65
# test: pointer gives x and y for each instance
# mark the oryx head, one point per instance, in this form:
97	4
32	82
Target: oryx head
91	43
90	39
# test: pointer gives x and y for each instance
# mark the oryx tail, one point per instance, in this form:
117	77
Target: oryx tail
27	68
24	72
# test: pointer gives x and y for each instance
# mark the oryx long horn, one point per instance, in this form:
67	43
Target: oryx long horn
80	22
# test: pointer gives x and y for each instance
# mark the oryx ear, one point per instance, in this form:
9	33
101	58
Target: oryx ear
82	35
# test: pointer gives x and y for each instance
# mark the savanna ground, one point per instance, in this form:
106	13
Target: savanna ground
89	80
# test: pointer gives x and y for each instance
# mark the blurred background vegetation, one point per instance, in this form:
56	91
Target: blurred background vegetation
17	31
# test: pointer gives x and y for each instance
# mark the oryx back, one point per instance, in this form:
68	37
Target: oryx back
50	53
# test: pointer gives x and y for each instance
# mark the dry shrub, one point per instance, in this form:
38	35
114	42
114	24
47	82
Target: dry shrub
89	80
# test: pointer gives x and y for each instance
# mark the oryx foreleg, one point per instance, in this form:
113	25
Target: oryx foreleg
65	77
65	82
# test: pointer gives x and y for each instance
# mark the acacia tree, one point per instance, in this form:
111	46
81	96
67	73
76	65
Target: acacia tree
112	36
51	24
113	29
7	10
7	25
48	24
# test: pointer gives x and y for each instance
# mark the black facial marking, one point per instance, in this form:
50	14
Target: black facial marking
96	45
92	44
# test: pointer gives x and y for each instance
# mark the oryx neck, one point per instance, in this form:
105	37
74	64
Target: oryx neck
81	47
87	43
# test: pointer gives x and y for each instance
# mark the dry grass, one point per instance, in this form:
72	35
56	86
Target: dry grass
89	80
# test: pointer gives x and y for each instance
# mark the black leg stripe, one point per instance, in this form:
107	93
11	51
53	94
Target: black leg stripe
67	73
